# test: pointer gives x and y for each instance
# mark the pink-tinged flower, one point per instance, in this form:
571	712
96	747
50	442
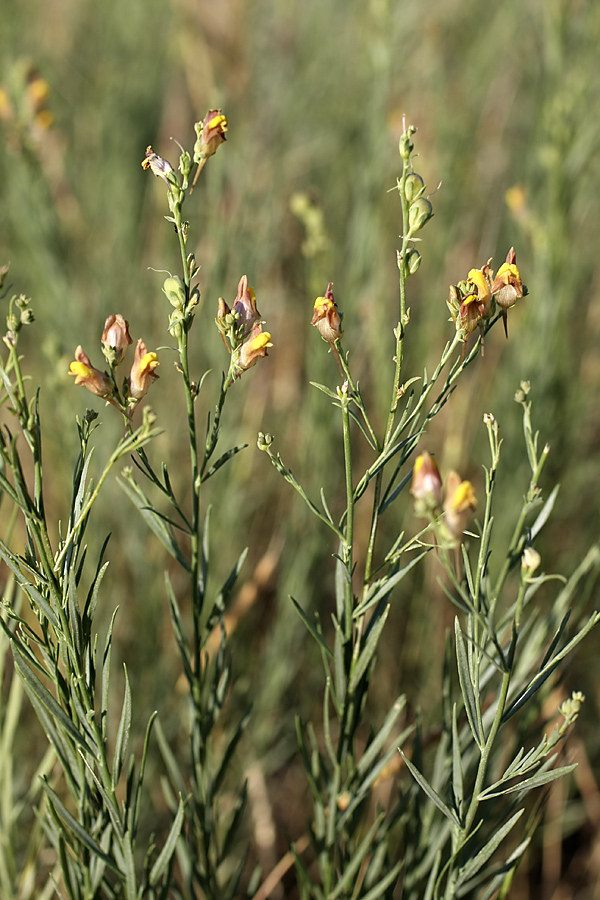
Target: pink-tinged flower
160	167
245	305
507	286
326	317
426	486
93	379
142	371
253	349
115	339
211	134
459	504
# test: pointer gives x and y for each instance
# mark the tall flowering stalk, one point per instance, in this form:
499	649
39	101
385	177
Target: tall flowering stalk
431	839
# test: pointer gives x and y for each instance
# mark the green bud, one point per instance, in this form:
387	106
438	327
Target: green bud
414	187
176	324
412	261
175	291
264	441
419	214
185	164
27	317
406	146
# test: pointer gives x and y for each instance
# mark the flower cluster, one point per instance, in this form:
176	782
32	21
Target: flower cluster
241	328
115	340
472	302
457	503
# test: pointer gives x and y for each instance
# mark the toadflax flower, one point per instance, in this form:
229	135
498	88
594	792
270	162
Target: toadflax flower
93	379
459	504
507	287
426	486
142	372
211	134
115	339
326	317
160	167
253	349
245	305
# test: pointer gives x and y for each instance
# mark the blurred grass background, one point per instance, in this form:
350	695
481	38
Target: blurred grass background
504	98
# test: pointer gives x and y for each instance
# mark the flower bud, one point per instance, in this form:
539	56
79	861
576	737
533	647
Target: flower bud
414	187
245	305
175	291
406	146
426	486
530	560
419	214
115	339
264	441
412	261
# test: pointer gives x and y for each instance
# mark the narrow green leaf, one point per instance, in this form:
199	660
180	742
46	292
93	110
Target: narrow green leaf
427	788
457	773
368	651
311	628
545	673
469	698
161	529
544	514
179	632
169	845
385	883
325	390
169	760
348	877
475	864
229	751
33	685
387	586
376	744
105	677
78	830
129	866
530	783
74	612
229	454
122	741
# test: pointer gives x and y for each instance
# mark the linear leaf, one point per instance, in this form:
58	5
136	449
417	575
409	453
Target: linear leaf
169	845
160	528
122	741
34	685
368	651
375	746
385	883
466	686
387	586
312	628
78	830
530	783
427	788
475	864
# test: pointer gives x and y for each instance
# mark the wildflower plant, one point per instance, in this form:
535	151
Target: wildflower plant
454	825
453	832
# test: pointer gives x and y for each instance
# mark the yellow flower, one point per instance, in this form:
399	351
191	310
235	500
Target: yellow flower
211	134
253	349
93	379
326	317
459	504
507	287
142	372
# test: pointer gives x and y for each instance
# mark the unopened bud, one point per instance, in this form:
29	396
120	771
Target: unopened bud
174	289
412	261
414	187
264	441
419	214
406	146
530	560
